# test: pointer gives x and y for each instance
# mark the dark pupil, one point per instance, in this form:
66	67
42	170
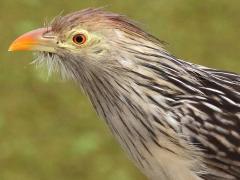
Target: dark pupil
79	39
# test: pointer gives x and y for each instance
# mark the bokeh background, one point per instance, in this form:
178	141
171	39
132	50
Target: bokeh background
48	129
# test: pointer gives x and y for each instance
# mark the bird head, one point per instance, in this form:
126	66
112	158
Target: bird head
87	40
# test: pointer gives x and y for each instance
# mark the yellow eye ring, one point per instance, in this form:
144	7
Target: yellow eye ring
79	39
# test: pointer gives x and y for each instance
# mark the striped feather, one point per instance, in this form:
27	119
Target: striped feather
176	120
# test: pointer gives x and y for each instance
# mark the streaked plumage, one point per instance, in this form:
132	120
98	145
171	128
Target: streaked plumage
176	120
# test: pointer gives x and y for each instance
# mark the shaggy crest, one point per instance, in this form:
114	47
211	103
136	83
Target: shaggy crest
101	19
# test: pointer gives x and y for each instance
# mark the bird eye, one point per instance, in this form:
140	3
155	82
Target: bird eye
79	39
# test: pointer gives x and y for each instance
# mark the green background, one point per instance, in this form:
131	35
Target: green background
48	129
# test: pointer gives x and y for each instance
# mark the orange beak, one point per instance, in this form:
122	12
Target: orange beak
36	40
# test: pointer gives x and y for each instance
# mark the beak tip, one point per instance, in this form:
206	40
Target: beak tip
27	41
10	49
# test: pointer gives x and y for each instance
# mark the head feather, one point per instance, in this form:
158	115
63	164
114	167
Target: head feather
98	18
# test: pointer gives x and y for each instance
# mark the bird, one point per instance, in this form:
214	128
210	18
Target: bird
176	120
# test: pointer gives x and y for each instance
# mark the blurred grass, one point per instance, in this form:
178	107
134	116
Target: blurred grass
48	129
